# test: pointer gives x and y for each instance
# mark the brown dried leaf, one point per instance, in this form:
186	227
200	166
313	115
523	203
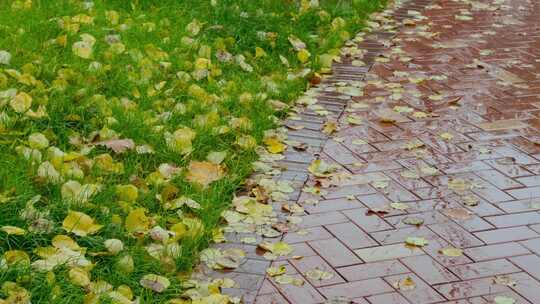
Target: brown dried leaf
204	173
117	145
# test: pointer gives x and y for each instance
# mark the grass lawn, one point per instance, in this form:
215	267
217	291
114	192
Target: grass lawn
127	126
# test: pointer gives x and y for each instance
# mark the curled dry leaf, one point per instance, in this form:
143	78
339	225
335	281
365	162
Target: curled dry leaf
117	145
458	213
155	282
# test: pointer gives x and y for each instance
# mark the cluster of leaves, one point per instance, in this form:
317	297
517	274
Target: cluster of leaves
127	126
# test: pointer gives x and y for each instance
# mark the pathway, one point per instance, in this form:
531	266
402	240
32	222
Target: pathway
443	147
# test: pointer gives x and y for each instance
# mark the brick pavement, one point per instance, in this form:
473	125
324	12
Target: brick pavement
449	128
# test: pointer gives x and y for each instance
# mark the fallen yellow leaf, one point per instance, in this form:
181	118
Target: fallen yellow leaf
80	224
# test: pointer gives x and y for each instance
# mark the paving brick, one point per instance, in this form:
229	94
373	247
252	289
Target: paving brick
386	252
421	294
509	294
311	234
271	298
519	219
455	235
526	286
495	251
484	269
357	289
332	205
326	218
350	235
429	270
433	249
388	298
533	245
470	288
300	294
368	223
315	262
343	192
525	193
520	205
529	181
334	252
499	180
529	263
493	195
399	235
372	270
506	235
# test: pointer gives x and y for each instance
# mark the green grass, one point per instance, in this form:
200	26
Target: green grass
81	101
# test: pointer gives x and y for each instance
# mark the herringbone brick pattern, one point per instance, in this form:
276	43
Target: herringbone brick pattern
474	68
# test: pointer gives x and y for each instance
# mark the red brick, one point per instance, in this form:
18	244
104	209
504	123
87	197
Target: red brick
529	263
506	235
271	298
519	219
350	235
315	262
372	270
315	233
429	270
356	289
470	288
421	294
318	219
368	223
332	205
300	294
533	245
388	298
334	252
498	179
483	269
495	251
455	235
